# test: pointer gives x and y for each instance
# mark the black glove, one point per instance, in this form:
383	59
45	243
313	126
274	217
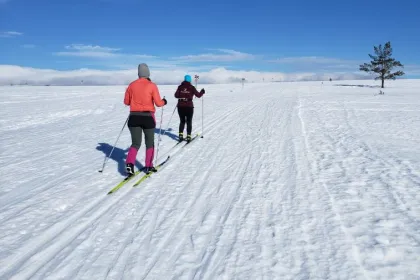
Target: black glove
202	91
164	100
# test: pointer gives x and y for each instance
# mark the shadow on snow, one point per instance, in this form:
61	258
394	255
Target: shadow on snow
119	155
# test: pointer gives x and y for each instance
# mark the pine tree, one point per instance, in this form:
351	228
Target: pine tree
382	64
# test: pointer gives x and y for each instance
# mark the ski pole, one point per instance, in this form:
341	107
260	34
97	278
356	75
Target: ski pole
202	116
160	131
107	157
167	127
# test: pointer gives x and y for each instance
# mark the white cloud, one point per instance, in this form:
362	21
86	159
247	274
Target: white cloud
112	58
9	34
223	55
93	54
11	74
81	47
99	52
313	60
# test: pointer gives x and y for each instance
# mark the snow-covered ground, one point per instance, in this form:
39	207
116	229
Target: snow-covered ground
291	181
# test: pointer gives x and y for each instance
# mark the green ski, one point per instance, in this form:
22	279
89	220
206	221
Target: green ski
123	182
149	174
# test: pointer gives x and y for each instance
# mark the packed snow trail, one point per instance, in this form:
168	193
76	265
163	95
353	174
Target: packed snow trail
291	181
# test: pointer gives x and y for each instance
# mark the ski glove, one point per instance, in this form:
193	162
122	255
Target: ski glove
202	91
164	100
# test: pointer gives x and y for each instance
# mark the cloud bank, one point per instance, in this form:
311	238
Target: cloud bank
17	75
211	67
80	50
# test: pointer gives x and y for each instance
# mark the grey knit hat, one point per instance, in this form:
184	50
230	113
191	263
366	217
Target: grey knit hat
143	70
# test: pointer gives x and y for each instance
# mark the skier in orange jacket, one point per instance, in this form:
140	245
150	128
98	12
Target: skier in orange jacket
142	95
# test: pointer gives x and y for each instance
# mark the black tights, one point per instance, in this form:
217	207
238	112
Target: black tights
185	116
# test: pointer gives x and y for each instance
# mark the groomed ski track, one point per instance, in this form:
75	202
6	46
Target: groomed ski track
280	187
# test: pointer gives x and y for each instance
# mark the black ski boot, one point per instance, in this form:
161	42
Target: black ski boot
181	137
188	138
148	170
129	167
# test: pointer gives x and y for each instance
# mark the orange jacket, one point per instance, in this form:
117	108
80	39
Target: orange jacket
141	95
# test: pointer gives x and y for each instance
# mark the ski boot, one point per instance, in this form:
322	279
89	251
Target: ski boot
181	137
129	167
188	138
150	169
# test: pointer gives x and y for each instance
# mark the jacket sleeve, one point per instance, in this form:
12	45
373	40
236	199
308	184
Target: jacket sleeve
127	97
156	96
197	93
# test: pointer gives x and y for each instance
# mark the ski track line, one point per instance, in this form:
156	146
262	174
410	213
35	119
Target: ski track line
68	263
23	195
64	151
176	227
266	185
241	184
382	194
16	196
193	202
211	125
391	164
185	234
285	211
235	196
53	184
295	213
131	237
99	212
385	177
66	124
313	233
19	194
147	202
211	199
365	194
43	244
355	251
303	174
57	231
388	178
167	217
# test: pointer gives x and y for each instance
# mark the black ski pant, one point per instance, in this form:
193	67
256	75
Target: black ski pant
142	122
185	116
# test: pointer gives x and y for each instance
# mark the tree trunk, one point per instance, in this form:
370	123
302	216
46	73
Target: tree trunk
383	80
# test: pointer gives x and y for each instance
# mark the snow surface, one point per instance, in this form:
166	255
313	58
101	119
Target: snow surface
303	180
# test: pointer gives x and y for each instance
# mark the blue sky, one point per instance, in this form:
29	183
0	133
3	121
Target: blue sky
286	37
